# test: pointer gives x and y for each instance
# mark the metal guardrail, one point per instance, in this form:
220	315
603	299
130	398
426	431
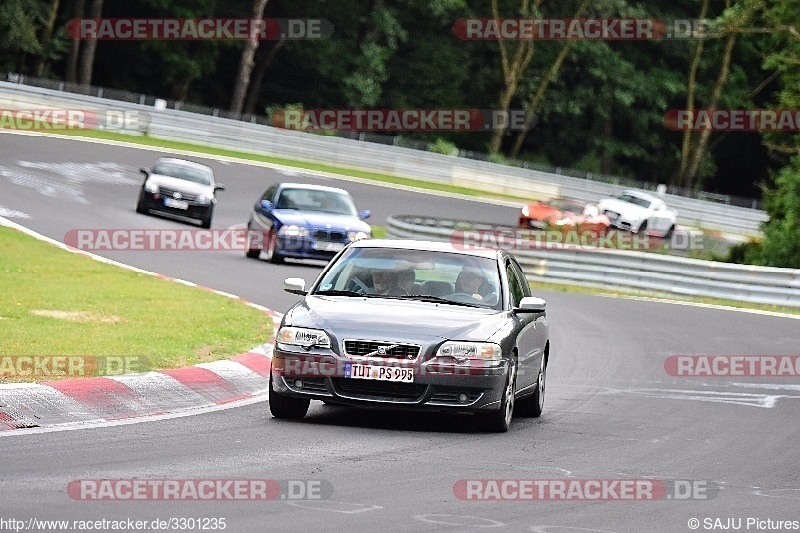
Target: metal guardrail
373	157
622	269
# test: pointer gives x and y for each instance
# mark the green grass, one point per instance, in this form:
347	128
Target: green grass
160	323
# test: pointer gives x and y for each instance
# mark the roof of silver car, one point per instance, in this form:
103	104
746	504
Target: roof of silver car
429	246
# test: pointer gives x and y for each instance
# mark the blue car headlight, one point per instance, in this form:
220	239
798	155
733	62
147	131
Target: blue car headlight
357	236
293	230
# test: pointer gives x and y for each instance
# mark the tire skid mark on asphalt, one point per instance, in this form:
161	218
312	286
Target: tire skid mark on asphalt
335	506
95	402
766	401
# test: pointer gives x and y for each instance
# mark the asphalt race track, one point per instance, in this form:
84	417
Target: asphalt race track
612	411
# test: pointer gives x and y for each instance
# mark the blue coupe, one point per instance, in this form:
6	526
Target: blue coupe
305	222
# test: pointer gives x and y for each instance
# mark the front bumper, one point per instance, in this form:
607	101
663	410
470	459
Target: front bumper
194	211
621	221
436	387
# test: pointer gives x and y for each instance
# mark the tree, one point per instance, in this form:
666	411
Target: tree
90	47
246	63
780	246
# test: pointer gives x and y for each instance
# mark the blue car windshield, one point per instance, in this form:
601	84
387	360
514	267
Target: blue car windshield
320	201
416	274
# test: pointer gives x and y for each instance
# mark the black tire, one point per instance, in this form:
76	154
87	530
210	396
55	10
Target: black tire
270	252
252	253
205	222
642	229
533	405
140	207
499	421
286	407
670	231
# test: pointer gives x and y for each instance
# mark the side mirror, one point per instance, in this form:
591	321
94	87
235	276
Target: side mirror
365	214
145	171
219	187
531	304
295	286
266	204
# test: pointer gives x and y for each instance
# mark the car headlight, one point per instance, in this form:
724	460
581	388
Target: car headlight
305	337
526	211
151	187
293	231
203	199
357	236
487	351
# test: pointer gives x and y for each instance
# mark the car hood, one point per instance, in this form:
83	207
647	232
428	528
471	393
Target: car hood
395	320
178	184
623	208
311	219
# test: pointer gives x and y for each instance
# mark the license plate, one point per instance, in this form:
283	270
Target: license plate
177	204
379	373
328	246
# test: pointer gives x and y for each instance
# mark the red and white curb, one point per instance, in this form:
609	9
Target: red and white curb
241	379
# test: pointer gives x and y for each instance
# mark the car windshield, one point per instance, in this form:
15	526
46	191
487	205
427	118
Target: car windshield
416	275
631	199
197	175
566	206
321	201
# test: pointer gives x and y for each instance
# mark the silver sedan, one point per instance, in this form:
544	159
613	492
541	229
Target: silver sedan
416	325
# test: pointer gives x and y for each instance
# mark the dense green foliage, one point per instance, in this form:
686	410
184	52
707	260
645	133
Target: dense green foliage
599	105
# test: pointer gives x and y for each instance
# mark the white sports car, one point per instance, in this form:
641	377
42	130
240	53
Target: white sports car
639	212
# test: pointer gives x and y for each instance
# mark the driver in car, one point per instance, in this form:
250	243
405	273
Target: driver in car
469	281
385	282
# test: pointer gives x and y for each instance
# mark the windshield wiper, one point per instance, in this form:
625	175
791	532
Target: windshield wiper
337	292
436	299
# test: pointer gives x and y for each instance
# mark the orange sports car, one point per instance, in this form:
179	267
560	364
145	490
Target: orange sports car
564	214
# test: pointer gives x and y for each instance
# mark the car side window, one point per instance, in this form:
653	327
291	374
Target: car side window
270	194
514	286
526	288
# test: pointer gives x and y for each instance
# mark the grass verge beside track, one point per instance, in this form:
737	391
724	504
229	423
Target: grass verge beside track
57	303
